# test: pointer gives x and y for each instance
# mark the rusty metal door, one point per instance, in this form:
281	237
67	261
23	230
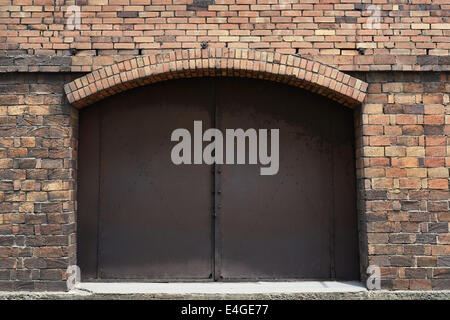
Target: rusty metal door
300	223
142	217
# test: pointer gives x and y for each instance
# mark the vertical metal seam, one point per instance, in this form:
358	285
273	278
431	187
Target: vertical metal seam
333	209
100	114
213	184
217	199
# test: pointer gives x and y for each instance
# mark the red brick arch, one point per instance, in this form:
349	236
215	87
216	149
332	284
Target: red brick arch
289	69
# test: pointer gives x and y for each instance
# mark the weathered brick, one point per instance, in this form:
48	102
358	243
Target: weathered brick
402	261
402	128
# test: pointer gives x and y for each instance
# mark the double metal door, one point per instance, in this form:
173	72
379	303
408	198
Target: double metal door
140	216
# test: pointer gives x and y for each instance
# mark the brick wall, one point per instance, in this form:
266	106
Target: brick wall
403	159
37	161
403	126
351	34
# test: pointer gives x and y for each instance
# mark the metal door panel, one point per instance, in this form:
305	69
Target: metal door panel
155	217
345	233
87	192
280	226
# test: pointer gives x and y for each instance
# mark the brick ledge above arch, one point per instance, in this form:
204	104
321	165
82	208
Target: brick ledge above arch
289	69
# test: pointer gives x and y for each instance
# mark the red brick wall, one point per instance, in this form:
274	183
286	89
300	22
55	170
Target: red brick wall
403	160
395	35
403	126
37	187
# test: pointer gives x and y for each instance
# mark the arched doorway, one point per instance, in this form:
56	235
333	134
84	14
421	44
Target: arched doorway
140	216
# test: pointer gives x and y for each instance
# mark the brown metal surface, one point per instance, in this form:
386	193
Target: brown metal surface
88	191
154	217
283	226
142	217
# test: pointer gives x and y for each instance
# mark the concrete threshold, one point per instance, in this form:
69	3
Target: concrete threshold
185	288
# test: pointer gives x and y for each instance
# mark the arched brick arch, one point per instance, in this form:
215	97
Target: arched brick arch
289	69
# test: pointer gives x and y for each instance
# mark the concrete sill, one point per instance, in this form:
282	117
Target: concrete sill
234	288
